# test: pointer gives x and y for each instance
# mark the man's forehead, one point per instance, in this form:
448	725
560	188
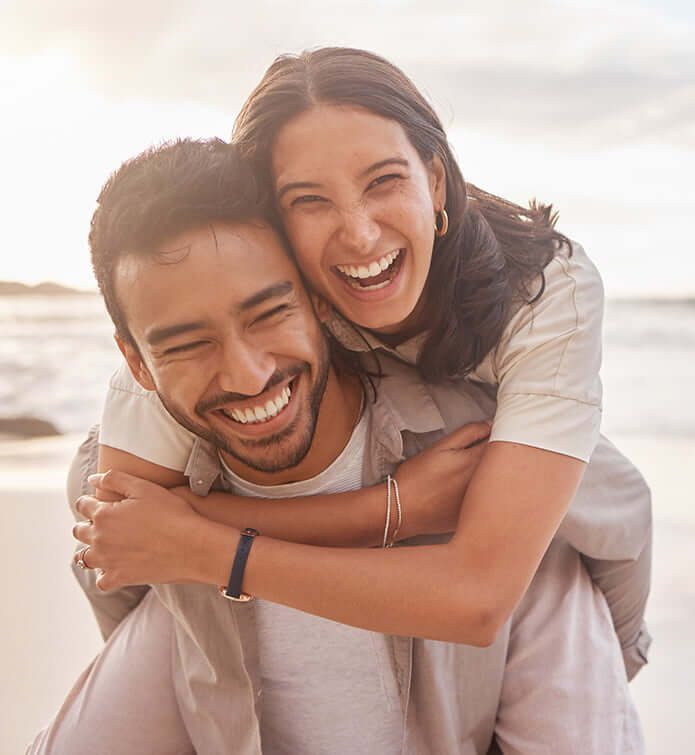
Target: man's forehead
247	262
242	247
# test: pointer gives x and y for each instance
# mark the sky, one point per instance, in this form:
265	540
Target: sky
588	105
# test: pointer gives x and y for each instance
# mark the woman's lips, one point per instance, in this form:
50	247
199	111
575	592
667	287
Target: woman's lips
365	284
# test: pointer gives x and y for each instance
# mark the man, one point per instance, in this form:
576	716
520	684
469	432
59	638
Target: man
212	316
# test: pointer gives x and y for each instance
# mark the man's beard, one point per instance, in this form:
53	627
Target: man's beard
279	451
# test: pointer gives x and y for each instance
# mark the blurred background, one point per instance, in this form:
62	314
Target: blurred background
587	105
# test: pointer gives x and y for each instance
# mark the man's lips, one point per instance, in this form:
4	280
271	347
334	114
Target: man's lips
262	411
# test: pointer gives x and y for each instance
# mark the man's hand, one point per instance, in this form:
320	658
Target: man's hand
433	483
149	536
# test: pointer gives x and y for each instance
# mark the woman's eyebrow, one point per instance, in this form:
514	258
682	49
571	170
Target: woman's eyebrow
383	163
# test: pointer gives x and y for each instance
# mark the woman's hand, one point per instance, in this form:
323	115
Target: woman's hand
150	536
433	483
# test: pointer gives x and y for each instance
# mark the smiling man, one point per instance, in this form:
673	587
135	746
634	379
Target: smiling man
214	320
241	363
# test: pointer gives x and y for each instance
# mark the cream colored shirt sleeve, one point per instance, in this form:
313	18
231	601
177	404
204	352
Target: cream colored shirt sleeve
134	420
546	365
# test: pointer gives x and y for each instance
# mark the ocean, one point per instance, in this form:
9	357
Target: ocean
57	353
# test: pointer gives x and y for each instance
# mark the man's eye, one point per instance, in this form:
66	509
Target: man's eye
385	179
183	347
280	309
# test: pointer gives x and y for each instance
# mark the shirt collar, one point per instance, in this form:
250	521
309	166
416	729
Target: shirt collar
355	338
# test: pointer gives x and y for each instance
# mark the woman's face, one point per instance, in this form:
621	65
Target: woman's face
359	205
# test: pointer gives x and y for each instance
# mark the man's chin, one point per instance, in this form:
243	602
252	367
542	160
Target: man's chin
274	453
270	454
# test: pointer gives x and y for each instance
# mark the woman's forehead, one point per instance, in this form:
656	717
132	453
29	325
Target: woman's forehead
329	136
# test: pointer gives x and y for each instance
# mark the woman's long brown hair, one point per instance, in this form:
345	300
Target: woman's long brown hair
493	249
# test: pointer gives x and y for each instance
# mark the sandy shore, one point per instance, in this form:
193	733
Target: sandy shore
49	635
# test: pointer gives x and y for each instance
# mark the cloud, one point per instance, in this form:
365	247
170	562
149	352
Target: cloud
557	66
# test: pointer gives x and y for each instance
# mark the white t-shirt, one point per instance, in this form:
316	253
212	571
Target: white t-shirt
545	369
307	663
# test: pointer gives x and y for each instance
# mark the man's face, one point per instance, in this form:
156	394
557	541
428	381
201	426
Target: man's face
228	338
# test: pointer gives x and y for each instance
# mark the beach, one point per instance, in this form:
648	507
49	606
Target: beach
49	634
57	354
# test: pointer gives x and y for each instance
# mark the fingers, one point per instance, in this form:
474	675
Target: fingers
469	434
121	483
104	582
84	532
88	506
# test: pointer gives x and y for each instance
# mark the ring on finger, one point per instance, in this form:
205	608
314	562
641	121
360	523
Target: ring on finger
79	558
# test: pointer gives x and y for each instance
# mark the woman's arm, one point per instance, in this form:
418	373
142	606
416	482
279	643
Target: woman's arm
462	591
432	486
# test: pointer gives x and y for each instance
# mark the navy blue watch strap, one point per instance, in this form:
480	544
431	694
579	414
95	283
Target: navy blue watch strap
236	576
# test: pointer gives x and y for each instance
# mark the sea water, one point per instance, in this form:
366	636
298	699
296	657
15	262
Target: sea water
57	353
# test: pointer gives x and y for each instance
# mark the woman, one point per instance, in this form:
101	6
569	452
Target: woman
458	282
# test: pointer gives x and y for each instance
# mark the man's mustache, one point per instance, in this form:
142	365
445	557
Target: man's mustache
221	399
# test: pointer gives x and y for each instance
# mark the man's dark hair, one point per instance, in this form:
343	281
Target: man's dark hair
167	190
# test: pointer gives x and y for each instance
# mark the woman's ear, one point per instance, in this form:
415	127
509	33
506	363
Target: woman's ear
137	366
437	180
322	308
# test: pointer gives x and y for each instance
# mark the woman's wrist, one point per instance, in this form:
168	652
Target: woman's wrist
211	552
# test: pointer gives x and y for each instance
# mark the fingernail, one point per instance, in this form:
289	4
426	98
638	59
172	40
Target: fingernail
95	479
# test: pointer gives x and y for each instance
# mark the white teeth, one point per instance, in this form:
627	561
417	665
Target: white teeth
369	271
258	414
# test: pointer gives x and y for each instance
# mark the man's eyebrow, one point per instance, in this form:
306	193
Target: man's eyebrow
383	163
157	335
269	292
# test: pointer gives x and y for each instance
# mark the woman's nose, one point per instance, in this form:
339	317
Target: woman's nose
358	231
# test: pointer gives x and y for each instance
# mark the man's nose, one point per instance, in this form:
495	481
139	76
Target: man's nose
358	231
245	368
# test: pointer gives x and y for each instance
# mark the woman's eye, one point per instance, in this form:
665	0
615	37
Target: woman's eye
306	199
385	179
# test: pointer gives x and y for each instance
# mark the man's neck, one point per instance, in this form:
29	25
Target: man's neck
338	415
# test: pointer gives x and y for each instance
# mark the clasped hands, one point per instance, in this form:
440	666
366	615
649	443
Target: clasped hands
151	535
144	538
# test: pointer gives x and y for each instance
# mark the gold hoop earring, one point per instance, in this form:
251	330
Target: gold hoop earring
441	223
